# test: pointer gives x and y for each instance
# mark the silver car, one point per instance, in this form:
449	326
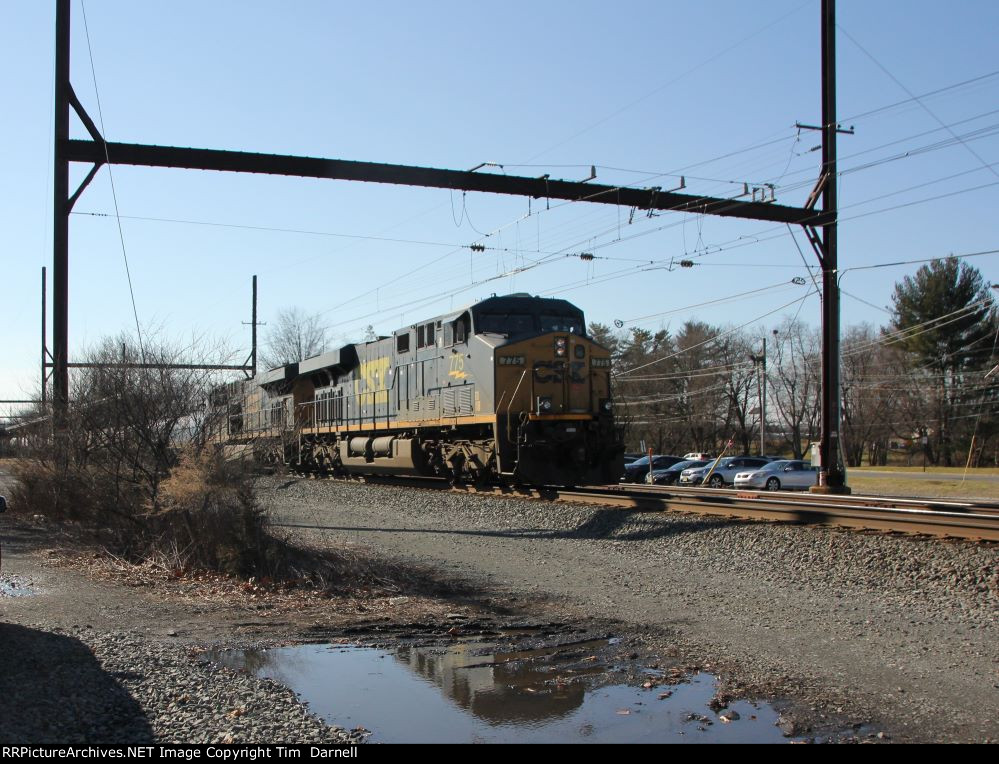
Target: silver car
784	475
724	473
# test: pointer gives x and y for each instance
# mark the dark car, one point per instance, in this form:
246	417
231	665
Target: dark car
637	471
670	475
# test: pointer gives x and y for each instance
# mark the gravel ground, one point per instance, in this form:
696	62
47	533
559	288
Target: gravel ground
86	661
86	686
894	635
901	632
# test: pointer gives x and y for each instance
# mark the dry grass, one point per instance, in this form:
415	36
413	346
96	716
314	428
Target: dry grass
206	531
900	486
972	472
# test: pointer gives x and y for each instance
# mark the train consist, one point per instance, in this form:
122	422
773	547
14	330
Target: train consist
509	388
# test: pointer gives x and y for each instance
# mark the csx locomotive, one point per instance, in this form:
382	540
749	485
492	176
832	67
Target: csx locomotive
509	388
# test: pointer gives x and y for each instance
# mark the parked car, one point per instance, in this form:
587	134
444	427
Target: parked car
670	475
783	475
724	473
629	458
637	471
698	456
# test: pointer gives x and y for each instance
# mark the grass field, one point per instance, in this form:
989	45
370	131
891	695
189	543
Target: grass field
945	488
930	469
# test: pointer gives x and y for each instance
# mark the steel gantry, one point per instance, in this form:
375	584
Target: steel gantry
819	224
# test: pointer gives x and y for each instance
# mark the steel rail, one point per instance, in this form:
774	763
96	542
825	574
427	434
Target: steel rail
945	519
860	500
787	507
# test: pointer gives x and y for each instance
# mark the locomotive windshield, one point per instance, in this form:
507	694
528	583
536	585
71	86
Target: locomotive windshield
505	323
522	315
569	324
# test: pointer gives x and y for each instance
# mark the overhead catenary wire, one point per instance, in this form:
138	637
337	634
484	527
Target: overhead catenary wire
671	82
569	202
716	337
114	193
515	271
916	98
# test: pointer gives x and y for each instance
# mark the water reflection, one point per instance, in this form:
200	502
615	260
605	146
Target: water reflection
464	693
501	688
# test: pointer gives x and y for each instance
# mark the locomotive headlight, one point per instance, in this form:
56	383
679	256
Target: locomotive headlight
561	345
608	405
544	404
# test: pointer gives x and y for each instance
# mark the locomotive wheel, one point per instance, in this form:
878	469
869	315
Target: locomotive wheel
773	484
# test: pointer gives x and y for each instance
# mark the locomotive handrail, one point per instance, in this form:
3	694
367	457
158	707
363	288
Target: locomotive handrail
509	438
359	395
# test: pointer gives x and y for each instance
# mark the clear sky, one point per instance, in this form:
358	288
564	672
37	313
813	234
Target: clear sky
645	91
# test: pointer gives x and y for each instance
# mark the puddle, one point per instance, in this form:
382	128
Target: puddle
12	586
462	693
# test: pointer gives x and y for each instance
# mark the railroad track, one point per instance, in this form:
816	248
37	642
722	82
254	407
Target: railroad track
935	517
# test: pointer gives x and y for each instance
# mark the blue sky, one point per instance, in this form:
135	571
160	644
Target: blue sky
646	91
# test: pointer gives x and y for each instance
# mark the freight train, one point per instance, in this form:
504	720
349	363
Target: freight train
508	389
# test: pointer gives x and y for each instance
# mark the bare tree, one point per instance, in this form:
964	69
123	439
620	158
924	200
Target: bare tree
794	382
870	389
134	462
294	336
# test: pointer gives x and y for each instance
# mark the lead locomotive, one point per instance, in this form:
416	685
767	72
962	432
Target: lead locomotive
508	388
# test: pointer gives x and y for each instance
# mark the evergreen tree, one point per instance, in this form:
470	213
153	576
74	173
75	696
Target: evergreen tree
943	317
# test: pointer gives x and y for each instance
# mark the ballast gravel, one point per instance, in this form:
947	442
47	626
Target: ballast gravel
88	687
894	629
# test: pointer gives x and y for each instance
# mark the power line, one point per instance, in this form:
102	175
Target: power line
673	81
917	99
716	337
114	194
922	96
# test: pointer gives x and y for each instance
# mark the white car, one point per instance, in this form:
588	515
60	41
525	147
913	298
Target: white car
723	473
784	475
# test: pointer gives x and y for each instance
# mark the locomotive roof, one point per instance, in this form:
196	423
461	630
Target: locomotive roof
525	303
521	302
341	359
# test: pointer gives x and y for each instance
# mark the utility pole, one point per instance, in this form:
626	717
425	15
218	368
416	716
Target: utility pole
832	476
763	400
61	207
45	351
251	362
760	362
253	351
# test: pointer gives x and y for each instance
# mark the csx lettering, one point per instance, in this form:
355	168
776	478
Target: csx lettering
457	366
554	371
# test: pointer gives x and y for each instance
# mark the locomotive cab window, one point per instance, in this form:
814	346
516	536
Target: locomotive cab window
504	323
569	324
461	327
402	343
421	336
